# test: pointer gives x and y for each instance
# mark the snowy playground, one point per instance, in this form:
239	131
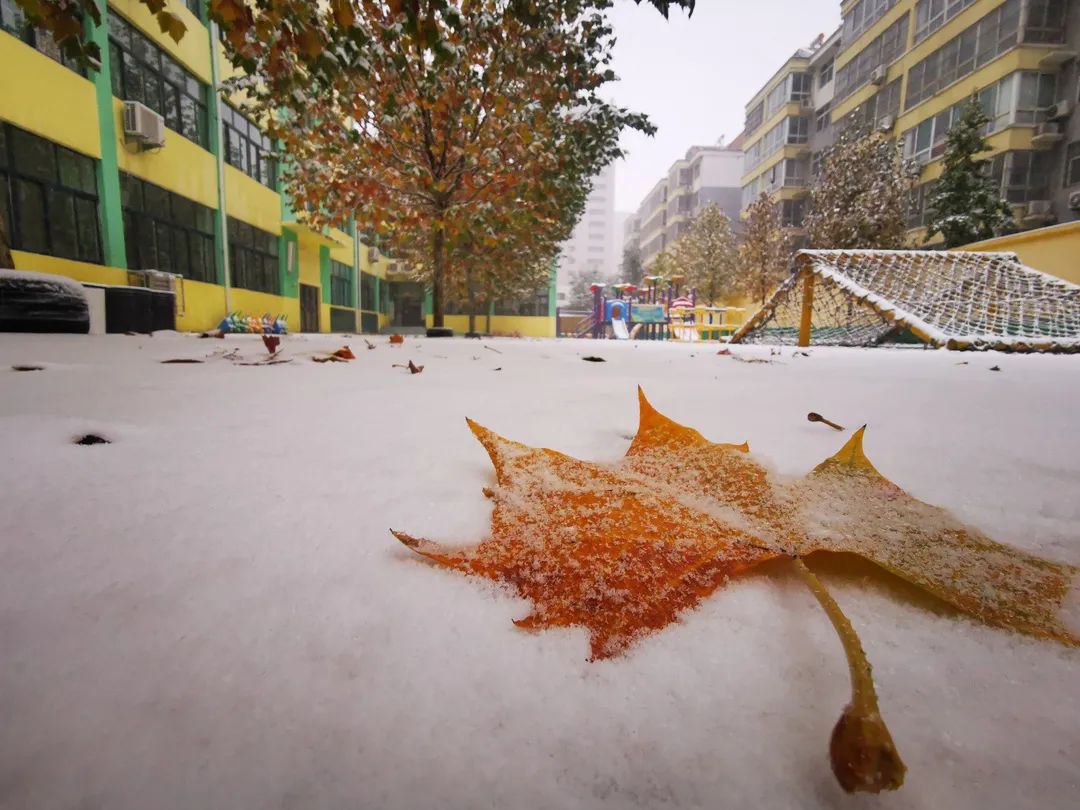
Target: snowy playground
209	610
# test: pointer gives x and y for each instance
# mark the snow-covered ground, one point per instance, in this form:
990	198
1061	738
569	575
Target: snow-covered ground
210	612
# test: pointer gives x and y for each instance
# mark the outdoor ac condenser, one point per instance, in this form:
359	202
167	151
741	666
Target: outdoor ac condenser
143	125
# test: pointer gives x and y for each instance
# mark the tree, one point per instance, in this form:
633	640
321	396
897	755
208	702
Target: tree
631	269
289	21
435	149
860	199
965	203
581	296
707	256
765	250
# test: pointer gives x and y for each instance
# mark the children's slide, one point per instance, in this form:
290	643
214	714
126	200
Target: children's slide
618	326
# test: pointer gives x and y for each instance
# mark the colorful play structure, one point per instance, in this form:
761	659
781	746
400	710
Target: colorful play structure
239	323
658	310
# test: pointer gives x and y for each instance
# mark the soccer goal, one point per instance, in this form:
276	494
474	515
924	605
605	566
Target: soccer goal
961	300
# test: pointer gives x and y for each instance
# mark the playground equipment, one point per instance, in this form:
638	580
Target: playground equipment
238	323
655	311
960	300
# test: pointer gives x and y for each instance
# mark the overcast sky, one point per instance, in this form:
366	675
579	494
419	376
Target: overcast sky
694	76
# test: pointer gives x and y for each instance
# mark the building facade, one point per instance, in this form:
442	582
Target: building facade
905	68
705	175
591	249
788	125
81	198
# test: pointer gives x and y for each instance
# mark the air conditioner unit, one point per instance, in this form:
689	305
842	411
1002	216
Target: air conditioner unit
886	123
373	254
1060	110
1039	212
143	125
1047	133
1018	211
1074	201
152	280
877	76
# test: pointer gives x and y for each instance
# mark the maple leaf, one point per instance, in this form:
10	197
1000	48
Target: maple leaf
702	511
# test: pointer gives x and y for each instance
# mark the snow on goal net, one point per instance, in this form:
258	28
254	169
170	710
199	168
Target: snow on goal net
961	300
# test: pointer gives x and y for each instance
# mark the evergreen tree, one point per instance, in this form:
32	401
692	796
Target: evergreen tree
765	251
965	204
631	269
707	256
860	199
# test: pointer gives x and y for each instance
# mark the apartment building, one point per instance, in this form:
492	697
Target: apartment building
906	67
788	125
591	249
145	170
704	175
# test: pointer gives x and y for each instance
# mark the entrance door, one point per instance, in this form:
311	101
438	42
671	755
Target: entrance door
309	308
409	311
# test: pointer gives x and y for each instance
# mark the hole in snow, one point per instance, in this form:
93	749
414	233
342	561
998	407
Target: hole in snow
92	438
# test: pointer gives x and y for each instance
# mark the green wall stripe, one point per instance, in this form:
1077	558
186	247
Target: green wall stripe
108	176
213	116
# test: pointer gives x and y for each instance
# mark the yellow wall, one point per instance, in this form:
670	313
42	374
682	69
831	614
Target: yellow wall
1052	250
46	98
80	271
251	201
526	326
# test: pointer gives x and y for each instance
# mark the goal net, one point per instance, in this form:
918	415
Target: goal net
962	300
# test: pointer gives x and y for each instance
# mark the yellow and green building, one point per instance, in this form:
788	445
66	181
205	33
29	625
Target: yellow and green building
79	199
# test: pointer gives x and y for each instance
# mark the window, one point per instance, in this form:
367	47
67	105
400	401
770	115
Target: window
980	44
1072	164
792	213
341	284
881	52
368	292
1015	99
141	71
801	85
195	7
754	119
1022	176
825	74
253	258
918	210
798	130
863	15
48	197
815	164
13	20
823	117
246	148
1045	21
930	15
165	231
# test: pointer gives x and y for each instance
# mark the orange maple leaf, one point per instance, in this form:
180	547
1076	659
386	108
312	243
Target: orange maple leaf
622	549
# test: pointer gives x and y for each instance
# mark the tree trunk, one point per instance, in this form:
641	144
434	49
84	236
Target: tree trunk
7	261
438	274
471	293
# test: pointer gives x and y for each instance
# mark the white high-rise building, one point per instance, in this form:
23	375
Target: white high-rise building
591	249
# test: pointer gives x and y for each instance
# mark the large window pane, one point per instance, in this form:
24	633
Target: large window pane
86	214
30	222
62	228
33	156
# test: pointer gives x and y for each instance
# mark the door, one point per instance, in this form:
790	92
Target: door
309	308
409	311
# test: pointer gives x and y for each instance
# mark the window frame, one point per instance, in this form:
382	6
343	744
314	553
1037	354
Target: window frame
16	177
156	64
144	220
265	276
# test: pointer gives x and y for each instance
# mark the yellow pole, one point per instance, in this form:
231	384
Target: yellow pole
807	309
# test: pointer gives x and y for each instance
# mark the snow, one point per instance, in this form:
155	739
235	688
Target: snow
211	612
